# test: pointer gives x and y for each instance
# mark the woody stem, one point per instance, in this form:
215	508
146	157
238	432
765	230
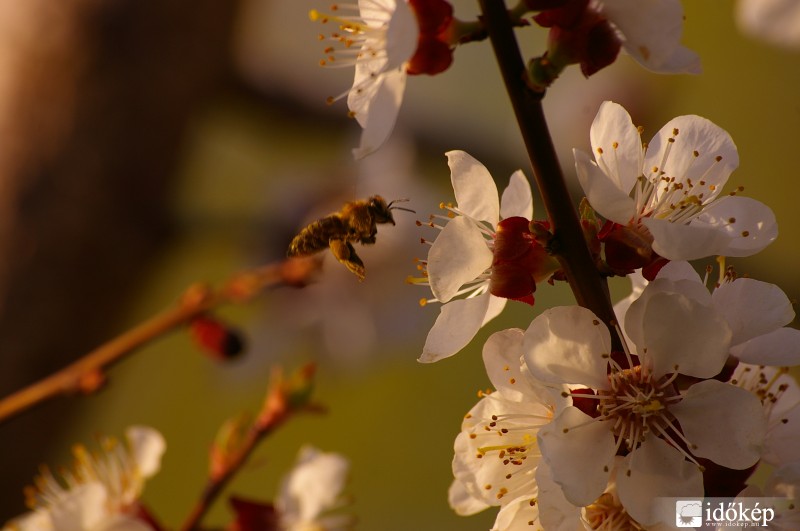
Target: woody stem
588	285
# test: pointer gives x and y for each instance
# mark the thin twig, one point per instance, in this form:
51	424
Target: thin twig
589	287
278	407
197	300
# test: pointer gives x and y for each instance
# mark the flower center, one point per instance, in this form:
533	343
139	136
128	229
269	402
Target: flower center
113	466
608	514
678	199
510	439
634	403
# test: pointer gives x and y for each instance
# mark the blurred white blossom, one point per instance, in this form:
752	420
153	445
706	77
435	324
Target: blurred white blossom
100	492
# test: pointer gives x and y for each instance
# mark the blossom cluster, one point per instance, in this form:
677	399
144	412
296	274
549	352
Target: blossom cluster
686	396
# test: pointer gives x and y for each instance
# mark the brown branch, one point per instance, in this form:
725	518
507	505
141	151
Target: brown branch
589	287
284	398
198	299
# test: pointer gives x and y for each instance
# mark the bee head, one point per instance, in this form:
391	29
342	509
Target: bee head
382	211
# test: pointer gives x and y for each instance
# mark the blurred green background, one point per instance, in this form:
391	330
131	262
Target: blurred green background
264	156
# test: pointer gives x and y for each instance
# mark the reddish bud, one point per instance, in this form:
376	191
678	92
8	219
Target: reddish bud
216	339
625	249
519	261
253	516
578	35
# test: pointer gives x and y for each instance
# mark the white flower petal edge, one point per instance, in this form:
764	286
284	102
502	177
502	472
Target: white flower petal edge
651	33
564	442
519	515
474	188
462	502
378	114
752	308
458	255
387	32
654	470
312	487
567	344
458	322
774	21
731	441
660	322
147	447
517	199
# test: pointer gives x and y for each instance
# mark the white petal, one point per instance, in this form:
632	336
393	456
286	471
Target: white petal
517	515
638	284
655	470
36	520
682	61
781	441
502	354
602	191
83	507
458	256
462	502
457	324
496	305
517	199
651	33
148	446
313	486
474	188
693	154
676	241
723	422
378	116
775	21
778	348
568	344
754	227
679	270
556	513
487	476
402	33
616	145
376	14
580	453
681	335
752	308
120	522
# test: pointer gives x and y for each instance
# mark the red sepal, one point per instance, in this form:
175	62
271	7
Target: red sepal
519	261
434	53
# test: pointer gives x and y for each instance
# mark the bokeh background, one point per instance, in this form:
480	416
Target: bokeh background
147	146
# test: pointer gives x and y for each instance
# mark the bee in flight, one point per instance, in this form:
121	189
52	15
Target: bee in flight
357	221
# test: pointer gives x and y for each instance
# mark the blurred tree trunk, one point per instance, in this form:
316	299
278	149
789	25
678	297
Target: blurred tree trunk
94	98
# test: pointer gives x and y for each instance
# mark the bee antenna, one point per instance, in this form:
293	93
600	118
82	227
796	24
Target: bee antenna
390	207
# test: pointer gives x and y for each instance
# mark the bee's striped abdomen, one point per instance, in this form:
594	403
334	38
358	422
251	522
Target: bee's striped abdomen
315	237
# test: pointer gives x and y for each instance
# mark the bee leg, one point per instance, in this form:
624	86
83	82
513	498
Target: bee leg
369	240
346	254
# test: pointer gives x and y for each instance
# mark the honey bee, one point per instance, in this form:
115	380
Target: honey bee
357	221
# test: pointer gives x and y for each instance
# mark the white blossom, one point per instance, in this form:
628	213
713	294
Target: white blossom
669	191
101	492
460	258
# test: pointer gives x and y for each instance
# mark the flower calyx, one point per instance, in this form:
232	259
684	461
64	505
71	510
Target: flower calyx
519	261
